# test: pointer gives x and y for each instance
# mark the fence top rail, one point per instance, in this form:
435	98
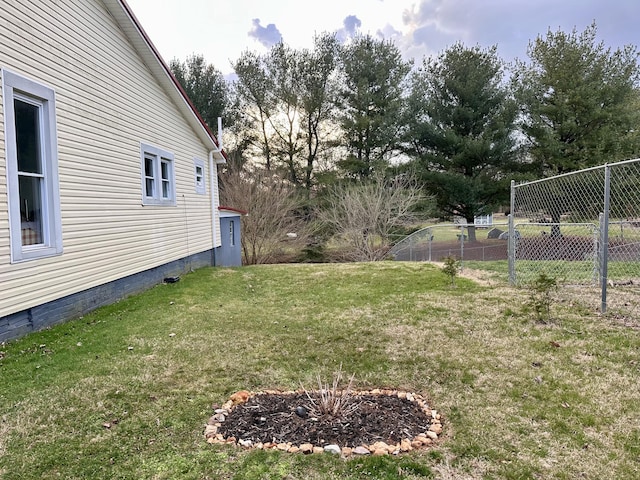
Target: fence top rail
428	230
598	167
551	224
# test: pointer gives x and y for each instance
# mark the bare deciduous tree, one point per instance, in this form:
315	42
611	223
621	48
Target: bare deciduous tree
272	226
364	215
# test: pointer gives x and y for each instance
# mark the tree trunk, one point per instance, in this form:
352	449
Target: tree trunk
471	230
555	224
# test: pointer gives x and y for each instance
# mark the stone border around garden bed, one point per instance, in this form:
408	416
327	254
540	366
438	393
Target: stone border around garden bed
420	441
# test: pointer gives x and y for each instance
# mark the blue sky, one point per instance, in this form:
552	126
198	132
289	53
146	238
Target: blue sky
222	29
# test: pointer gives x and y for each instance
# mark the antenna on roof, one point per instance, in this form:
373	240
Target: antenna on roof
220	134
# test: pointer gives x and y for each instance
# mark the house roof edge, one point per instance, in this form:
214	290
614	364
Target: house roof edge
128	22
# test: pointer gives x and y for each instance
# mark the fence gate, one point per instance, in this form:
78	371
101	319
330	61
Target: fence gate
582	228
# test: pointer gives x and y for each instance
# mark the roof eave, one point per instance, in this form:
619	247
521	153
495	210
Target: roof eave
131	27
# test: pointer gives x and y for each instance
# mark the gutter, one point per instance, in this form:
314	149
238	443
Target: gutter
213	163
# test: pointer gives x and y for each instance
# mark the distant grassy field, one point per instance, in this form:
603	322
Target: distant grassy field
450	233
519	398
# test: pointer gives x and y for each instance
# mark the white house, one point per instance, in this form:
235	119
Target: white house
108	177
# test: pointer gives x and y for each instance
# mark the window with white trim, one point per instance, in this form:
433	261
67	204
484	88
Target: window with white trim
32	168
198	173
158	176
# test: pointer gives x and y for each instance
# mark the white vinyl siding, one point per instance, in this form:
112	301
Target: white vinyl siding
107	103
32	168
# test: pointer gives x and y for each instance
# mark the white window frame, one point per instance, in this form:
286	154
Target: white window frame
162	175
14	87
199	178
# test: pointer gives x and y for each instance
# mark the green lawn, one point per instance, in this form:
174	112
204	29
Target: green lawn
519	399
451	233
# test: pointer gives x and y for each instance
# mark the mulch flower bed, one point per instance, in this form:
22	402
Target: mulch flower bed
377	422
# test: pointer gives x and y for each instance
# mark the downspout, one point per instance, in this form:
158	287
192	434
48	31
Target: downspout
212	190
212	182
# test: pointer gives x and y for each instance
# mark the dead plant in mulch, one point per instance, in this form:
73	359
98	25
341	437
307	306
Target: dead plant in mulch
332	400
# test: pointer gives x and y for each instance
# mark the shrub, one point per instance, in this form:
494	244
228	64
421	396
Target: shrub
451	268
542	289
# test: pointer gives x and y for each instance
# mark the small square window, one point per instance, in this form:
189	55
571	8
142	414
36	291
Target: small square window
198	171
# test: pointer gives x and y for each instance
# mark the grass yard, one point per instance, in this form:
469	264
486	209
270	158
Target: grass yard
519	399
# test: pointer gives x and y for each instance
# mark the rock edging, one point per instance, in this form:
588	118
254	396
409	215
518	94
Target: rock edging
422	440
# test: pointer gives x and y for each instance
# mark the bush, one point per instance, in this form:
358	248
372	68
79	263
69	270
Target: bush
542	289
451	268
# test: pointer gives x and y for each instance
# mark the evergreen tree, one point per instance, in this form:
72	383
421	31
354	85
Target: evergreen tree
462	131
579	102
374	76
204	85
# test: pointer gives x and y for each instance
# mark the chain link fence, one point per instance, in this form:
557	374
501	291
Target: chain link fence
435	243
583	229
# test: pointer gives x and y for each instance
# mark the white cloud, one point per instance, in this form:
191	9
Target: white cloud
268	36
351	26
219	30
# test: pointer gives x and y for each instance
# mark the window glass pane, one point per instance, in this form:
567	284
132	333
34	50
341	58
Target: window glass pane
164	166
148	166
148	185
231	233
31	209
166	184
27	120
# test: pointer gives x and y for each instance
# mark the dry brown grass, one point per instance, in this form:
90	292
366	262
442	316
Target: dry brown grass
492	349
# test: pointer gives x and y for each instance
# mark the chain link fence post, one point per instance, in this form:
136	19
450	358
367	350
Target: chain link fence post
604	239
511	254
462	235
